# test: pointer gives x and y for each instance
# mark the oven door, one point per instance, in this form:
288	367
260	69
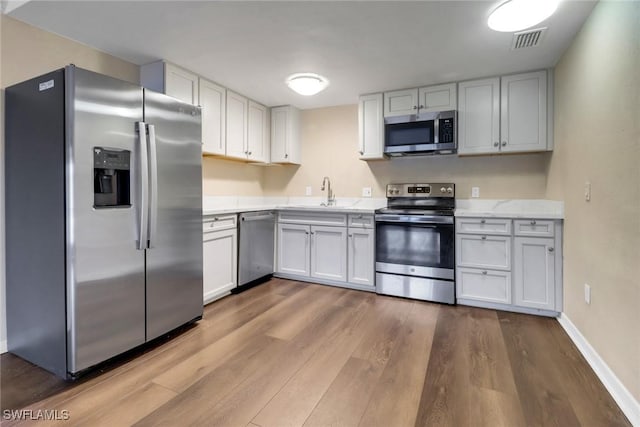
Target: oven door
421	246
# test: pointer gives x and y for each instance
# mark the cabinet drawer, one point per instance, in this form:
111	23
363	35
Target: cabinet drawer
361	221
483	226
215	223
533	227
313	218
482	251
484	285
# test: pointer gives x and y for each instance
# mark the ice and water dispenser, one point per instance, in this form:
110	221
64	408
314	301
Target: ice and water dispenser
111	178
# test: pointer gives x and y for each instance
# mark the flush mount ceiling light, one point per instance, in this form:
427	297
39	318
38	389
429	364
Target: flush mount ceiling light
307	83
516	15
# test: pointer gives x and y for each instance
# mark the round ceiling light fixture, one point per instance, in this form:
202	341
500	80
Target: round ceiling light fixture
307	84
516	15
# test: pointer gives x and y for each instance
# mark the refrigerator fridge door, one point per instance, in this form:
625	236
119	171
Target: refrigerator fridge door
105	270
174	257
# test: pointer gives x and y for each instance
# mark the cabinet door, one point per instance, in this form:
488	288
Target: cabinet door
285	135
181	84
220	268
329	253
371	127
360	256
257	133
293	249
479	116
237	106
400	102
213	102
523	124
438	98
534	272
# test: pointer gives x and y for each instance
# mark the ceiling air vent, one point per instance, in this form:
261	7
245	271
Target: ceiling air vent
529	38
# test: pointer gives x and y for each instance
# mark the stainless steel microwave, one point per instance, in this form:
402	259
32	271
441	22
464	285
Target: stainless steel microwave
421	134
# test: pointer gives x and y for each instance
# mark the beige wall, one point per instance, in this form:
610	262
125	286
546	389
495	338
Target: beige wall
230	178
26	52
329	147
597	134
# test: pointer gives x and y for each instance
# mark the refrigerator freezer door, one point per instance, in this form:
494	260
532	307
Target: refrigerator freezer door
174	258
105	271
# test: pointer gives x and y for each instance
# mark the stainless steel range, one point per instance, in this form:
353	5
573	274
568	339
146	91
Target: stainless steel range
415	253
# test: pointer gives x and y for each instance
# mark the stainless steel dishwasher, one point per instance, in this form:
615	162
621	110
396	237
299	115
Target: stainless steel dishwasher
257	236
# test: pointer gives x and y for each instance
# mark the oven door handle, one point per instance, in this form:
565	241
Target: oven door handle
418	219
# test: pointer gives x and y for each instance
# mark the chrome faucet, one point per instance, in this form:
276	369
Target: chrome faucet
331	199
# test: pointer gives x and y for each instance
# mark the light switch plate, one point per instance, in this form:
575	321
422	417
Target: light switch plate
475	191
366	191
587	293
308	191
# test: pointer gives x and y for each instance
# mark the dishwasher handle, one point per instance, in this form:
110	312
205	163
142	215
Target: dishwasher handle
257	217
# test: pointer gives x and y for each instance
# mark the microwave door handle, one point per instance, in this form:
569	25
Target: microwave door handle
436	130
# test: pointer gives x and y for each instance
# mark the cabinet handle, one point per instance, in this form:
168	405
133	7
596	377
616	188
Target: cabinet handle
484	272
313	232
504	143
482	221
484	237
350	235
216	219
286	156
361	152
422	106
550	249
249	152
495	144
415	107
533	222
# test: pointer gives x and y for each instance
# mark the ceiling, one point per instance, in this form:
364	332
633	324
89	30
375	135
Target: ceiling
360	46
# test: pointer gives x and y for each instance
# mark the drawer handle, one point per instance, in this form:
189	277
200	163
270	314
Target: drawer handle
350	235
482	221
533	222
216	219
550	249
484	272
484	237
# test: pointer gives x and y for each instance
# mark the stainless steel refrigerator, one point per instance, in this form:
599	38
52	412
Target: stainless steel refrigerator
103	218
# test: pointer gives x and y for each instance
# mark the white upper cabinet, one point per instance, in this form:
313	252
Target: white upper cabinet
171	80
400	102
237	110
479	116
437	98
285	135
371	127
213	100
420	100
523	123
503	115
258	137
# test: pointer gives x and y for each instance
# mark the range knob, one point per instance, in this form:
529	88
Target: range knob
443	190
450	190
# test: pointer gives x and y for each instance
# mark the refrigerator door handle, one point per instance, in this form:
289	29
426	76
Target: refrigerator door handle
143	210
153	176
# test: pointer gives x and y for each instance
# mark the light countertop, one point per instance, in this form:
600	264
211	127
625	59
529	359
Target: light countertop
515	208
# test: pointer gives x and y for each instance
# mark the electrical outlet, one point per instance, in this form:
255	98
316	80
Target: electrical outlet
587	191
366	191
475	191
587	293
308	191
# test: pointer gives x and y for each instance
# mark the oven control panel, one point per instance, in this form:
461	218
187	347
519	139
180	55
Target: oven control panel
421	190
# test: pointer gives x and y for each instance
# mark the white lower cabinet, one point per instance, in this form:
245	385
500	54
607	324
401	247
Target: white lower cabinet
534	272
293	249
220	257
329	253
360	256
519	272
319	247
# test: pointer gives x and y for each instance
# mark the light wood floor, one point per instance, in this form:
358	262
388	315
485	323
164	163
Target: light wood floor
291	354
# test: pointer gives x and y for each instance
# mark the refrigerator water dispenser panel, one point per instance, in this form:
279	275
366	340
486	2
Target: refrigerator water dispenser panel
111	178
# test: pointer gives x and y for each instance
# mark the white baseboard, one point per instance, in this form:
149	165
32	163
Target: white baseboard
3	346
625	400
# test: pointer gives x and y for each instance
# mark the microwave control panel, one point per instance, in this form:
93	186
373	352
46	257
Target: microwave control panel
446	130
